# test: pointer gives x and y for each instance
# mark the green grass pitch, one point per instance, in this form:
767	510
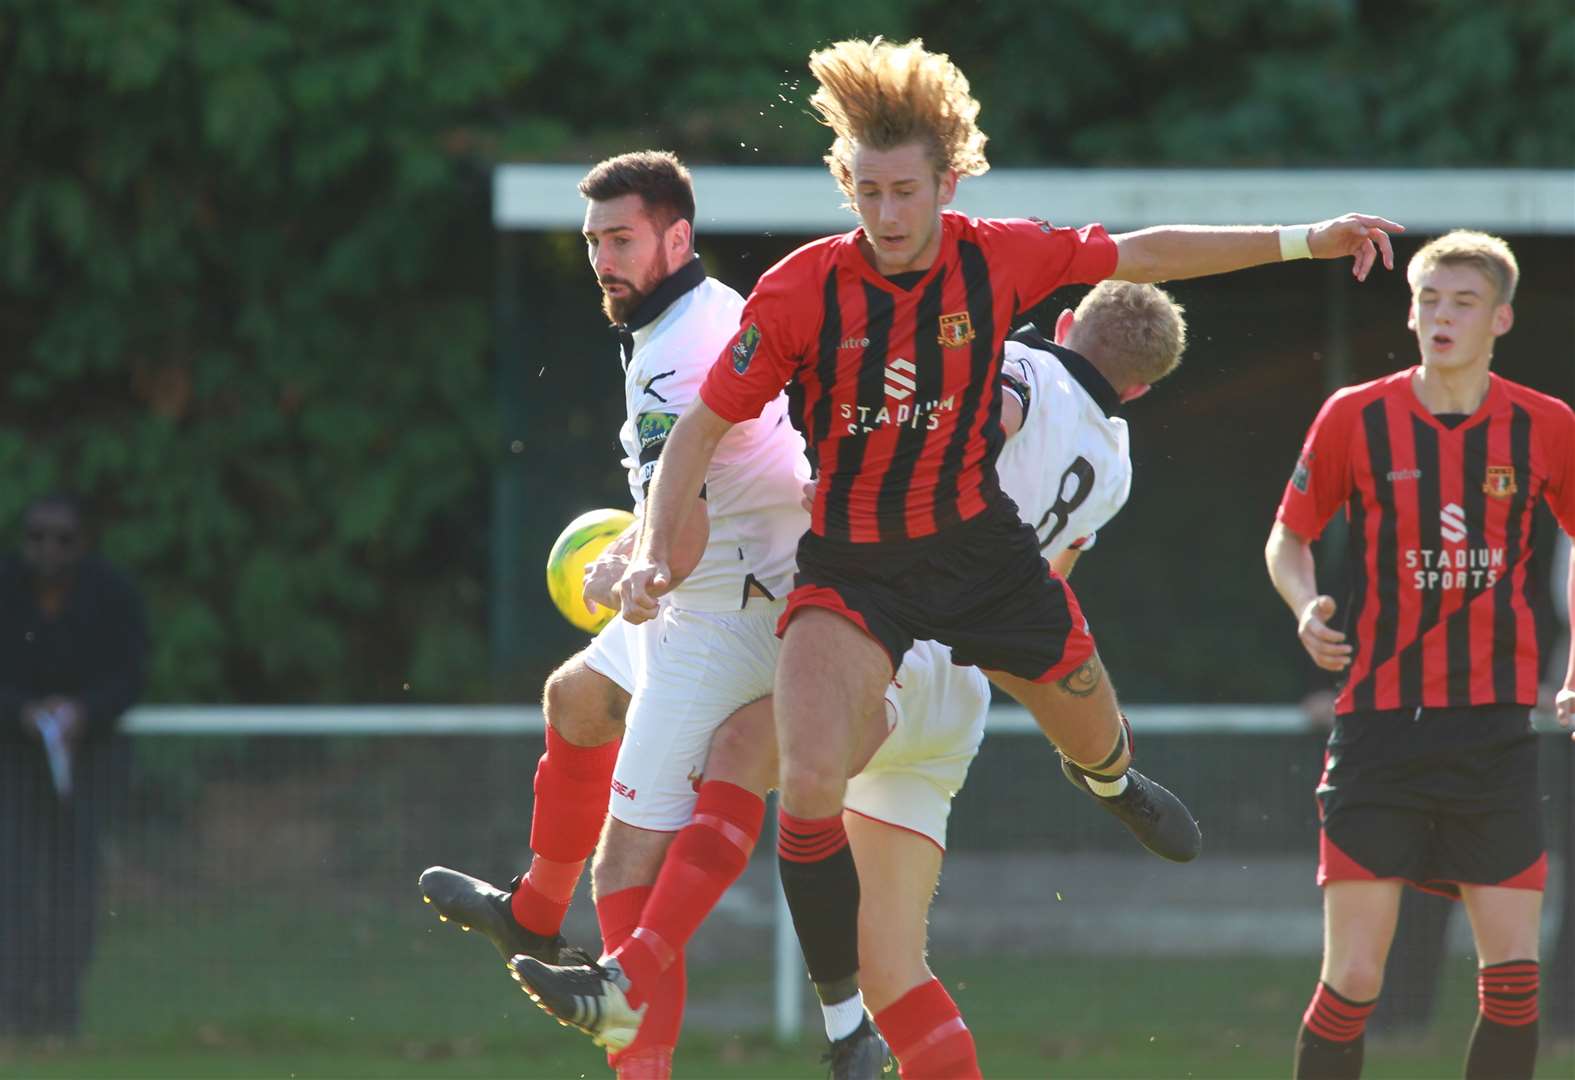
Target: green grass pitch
308	998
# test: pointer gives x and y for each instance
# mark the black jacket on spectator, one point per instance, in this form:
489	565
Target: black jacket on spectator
95	650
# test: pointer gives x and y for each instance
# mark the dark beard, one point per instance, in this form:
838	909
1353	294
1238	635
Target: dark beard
619	310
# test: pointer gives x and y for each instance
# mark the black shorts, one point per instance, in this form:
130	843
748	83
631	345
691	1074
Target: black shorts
1435	797
981	588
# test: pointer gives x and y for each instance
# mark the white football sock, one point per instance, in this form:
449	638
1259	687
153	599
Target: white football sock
1108	789
843	1017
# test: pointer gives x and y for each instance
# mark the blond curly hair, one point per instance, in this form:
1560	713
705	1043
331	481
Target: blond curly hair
1132	333
1484	252
882	95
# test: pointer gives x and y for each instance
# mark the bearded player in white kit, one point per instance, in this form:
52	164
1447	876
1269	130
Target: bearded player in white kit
664	687
1066	464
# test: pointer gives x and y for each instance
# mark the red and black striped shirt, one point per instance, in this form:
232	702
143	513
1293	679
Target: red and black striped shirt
1442	601
897	390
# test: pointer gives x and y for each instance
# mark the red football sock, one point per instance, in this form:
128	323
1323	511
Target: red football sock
708	856
928	1036
543	895
571	805
655	1063
619	913
650	1056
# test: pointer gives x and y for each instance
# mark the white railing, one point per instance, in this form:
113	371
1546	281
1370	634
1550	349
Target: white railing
527	719
425	720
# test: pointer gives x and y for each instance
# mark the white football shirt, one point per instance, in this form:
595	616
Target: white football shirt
756	478
1069	467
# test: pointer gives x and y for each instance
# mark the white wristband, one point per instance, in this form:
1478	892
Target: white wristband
1293	243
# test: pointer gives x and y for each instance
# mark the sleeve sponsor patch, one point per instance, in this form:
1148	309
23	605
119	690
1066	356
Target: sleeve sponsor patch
1302	474
744	348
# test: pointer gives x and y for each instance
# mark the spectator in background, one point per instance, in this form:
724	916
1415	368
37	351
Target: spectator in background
73	654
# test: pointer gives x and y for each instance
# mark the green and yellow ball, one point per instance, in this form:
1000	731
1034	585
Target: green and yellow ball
579	545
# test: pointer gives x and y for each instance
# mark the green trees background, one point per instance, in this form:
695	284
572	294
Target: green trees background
246	262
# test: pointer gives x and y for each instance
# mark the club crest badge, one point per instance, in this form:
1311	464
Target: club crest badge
1500	482
956	330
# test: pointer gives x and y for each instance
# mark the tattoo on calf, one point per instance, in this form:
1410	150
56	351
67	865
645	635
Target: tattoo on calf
1085	680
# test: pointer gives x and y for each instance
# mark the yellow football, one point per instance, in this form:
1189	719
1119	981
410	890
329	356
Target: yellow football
579	545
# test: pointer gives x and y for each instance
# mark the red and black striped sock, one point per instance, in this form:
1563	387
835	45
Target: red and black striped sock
821	885
1329	1045
1504	1044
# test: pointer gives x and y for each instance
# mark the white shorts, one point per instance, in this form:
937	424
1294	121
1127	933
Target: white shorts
939	711
693	669
614	653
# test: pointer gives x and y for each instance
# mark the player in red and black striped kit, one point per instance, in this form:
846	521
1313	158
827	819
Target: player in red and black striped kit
889	339
1431	771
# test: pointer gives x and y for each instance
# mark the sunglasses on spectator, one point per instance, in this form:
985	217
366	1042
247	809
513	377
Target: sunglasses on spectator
60	537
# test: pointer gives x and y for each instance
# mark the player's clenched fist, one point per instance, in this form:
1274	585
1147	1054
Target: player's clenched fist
643	584
1324	644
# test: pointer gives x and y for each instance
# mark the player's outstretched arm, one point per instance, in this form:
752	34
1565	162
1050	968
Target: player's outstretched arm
1169	252
1564	701
1295	577
679	476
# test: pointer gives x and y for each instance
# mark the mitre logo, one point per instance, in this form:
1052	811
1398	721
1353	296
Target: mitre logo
1452	519
899	379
